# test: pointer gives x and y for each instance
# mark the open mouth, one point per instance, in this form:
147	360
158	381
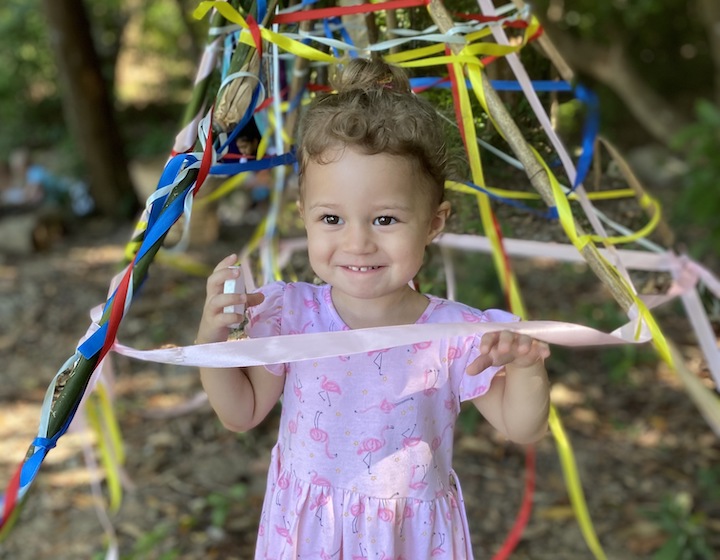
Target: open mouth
362	268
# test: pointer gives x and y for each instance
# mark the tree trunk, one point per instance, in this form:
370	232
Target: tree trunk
88	108
710	18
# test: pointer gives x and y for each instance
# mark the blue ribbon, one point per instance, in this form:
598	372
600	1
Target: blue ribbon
583	94
295	101
345	35
329	35
590	132
32	465
169	174
246	119
163	223
550	213
261	10
231	41
500	85
538	85
253	165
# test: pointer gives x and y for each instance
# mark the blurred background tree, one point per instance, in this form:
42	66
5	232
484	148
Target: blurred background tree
656	69
654	65
85	85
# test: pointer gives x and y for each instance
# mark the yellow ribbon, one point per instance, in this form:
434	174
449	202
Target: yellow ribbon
103	421
572	481
285	43
565	215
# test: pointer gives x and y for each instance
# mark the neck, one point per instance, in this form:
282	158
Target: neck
403	308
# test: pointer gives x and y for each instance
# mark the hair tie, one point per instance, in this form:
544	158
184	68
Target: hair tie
385	82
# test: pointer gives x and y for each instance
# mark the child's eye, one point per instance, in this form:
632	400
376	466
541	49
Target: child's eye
385	221
330	220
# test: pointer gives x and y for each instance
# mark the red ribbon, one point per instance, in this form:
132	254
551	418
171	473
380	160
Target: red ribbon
11	496
323	13
255	32
523	516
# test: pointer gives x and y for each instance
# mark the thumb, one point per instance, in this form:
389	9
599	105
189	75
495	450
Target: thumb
255	299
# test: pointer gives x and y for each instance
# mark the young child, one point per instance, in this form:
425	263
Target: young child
363	463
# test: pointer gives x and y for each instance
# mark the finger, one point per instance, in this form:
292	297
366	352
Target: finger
481	363
537	353
524	344
221	274
231	319
506	342
228	261
223	300
543	349
487	342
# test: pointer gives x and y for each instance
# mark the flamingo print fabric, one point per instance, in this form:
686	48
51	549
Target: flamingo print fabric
363	463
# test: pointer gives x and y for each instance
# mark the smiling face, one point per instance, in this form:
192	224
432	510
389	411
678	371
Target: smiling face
368	220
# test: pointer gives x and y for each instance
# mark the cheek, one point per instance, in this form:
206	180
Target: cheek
318	245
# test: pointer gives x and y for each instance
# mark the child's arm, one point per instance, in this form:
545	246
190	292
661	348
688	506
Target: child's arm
241	397
518	401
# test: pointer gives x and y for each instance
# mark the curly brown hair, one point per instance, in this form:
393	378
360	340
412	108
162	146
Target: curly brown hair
374	110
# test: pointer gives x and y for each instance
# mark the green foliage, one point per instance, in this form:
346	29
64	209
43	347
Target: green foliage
569	121
469	419
31	109
29	100
617	361
163	29
658	38
478	284
709	482
686	530
699	204
151	543
220	504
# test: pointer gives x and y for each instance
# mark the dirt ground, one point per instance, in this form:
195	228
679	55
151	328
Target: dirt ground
649	464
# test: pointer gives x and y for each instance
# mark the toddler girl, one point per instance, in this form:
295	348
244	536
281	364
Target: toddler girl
363	463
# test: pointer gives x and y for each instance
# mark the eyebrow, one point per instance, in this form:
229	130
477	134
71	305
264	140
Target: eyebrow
376	208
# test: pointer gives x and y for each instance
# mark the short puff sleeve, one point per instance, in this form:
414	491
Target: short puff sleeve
265	319
472	386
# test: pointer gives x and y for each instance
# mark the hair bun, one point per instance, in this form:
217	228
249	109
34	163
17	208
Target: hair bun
370	75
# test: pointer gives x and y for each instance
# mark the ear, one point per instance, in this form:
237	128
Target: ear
437	221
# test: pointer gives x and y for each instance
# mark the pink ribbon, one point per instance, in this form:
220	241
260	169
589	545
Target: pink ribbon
295	347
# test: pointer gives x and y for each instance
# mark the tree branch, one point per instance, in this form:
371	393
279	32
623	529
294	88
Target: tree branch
534	171
610	66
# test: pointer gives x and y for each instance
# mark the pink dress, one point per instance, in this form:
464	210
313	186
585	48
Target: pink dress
363	463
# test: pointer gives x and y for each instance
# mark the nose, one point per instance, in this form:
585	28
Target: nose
358	239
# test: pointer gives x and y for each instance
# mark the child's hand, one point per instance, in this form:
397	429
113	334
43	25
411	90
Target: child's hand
215	323
508	348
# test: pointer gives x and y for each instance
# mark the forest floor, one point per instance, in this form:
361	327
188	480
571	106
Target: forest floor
648	462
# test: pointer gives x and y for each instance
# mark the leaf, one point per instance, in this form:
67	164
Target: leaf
671	550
